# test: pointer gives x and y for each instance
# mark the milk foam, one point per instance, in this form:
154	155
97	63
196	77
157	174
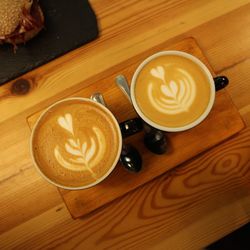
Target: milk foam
84	154
176	96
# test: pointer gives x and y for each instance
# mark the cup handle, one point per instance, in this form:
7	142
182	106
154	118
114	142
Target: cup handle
130	157
220	82
131	127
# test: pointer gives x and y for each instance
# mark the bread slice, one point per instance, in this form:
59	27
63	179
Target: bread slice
20	20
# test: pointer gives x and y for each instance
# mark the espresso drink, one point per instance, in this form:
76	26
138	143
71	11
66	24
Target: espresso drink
172	91
76	143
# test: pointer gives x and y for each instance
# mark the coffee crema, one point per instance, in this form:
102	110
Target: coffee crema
172	91
76	143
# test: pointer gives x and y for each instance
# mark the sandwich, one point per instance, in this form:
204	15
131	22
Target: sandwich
20	20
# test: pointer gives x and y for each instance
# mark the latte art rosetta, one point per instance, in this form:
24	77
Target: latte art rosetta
175	96
84	154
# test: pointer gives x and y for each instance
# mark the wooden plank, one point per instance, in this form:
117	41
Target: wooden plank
70	72
31	213
186	208
223	122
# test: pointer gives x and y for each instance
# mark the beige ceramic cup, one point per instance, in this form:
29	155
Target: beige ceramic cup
36	164
201	65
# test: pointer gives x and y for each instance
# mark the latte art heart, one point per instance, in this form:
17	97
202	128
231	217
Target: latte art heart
176	95
171	90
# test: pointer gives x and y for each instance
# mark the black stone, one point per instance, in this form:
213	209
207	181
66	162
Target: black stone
68	25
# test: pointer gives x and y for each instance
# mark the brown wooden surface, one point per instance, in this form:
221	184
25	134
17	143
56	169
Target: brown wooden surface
187	208
223	122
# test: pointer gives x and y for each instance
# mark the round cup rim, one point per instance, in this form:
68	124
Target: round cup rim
84	186
195	60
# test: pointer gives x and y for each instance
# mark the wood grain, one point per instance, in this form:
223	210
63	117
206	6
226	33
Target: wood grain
31	212
74	68
223	122
202	190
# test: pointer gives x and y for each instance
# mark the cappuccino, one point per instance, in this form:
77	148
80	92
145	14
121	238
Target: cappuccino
76	143
171	90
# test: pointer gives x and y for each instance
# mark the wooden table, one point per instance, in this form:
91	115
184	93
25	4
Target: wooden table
188	207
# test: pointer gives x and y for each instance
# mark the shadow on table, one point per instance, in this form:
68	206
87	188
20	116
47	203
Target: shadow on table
237	240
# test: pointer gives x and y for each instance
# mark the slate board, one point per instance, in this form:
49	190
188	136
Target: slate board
68	25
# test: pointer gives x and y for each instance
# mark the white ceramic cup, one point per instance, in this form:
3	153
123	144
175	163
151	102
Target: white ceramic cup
110	169
202	67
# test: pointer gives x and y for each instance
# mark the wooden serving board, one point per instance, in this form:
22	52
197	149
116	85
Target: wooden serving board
223	122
